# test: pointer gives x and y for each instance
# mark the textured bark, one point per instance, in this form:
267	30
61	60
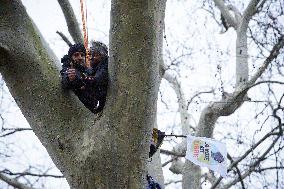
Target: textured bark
112	151
242	70
242	57
30	71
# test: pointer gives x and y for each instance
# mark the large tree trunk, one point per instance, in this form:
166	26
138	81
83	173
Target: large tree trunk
112	151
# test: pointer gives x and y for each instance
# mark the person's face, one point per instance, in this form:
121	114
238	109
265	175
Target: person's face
79	58
95	58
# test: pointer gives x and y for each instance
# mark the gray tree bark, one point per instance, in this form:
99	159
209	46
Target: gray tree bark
103	151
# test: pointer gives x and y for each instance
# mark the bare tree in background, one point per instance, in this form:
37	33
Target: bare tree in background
259	45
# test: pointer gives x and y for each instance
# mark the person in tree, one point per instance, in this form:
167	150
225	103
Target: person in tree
88	83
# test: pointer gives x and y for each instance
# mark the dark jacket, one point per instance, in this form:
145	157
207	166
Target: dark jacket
152	184
90	84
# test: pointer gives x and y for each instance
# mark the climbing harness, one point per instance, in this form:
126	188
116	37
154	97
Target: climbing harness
85	30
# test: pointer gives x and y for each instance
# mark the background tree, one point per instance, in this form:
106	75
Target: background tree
249	25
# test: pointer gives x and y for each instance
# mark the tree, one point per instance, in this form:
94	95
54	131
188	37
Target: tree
250	29
89	154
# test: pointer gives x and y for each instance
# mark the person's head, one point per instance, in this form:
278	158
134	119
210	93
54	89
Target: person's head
98	51
77	53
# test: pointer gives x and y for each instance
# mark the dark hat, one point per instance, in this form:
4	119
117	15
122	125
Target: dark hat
99	47
78	47
65	59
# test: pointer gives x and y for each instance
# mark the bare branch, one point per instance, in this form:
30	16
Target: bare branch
209	176
196	95
237	13
173	182
169	161
260	5
252	148
167	152
14	130
252	167
271	133
182	106
250	10
226	13
64	38
30	174
261	82
273	54
177	167
13	182
72	23
238	171
268	168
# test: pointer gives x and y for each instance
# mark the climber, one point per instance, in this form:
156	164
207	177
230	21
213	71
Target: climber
88	83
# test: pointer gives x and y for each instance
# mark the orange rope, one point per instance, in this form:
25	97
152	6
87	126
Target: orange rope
85	30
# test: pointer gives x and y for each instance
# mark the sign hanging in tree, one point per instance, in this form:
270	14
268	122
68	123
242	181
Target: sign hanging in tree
207	153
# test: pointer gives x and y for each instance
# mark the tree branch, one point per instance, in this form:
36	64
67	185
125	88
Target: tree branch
172	182
268	168
253	165
238	171
30	174
182	106
261	82
237	13
196	95
14	130
227	106
169	161
64	38
250	11
226	13
234	164
13	182
273	54
72	23
167	152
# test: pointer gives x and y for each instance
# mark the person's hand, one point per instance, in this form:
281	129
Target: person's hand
71	73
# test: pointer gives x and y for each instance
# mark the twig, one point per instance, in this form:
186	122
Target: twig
64	38
12	131
167	152
238	171
13	182
30	174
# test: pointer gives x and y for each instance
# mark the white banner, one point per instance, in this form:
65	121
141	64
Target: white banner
207	153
